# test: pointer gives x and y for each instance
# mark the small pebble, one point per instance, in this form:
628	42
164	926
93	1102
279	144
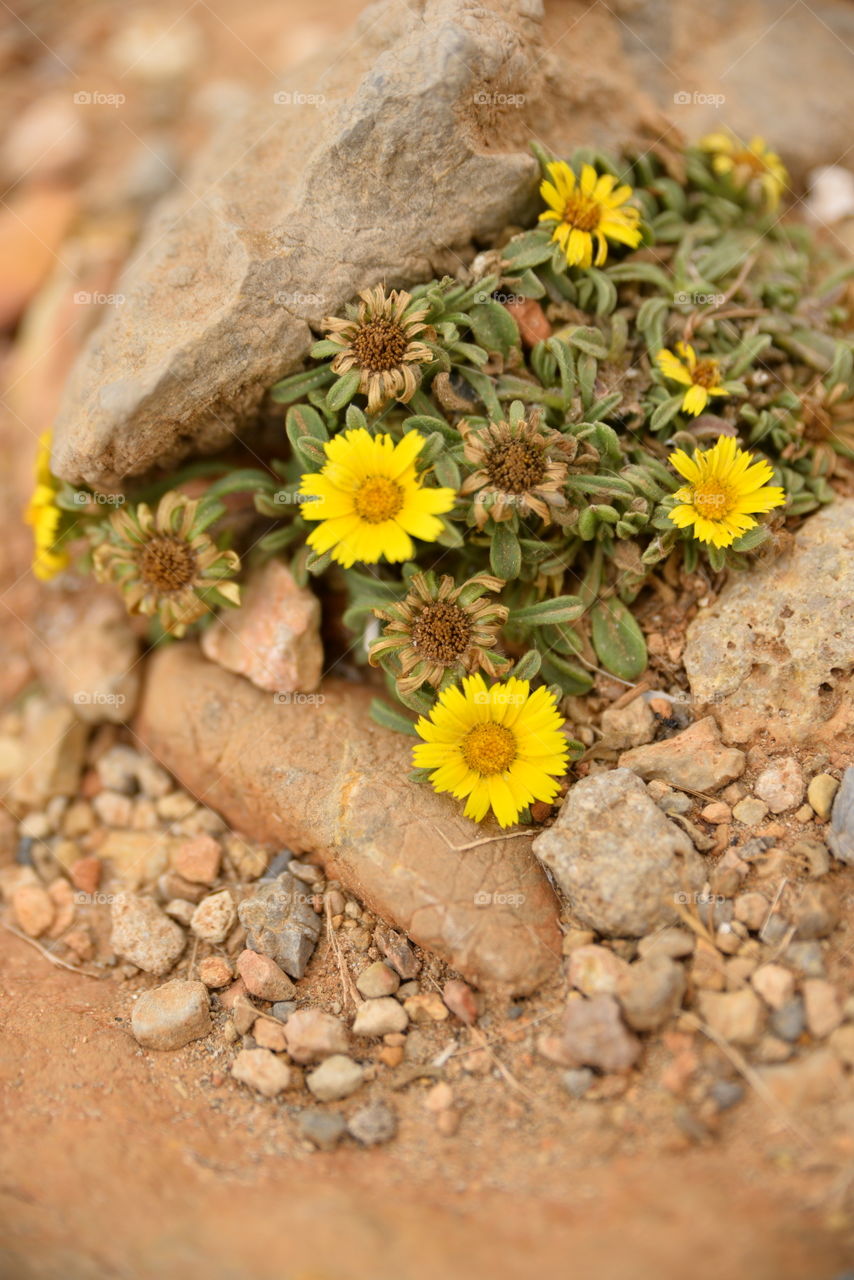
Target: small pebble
377	980
323	1129
789	1021
461	1001
577	1081
215	972
261	1070
373	1124
214	917
380	1017
750	811
198	859
822	792
336	1077
170	1016
427	1007
726	1093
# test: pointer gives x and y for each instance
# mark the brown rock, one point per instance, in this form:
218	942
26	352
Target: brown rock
274	637
594	1035
32	225
262	1071
313	1035
822	1007
215	972
90	652
54	746
269	1035
461	1001
426	1008
736	1016
144	935
596	971
695	758
197	859
33	909
172	1015
136	858
86	874
329	781
263	977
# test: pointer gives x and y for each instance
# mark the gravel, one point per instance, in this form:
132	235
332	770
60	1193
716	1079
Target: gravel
172	1015
337	1077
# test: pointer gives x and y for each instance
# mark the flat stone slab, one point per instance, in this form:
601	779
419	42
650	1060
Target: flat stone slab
318	776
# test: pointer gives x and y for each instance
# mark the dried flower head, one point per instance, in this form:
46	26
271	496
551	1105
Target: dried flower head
725	490
45	517
165	564
702	377
751	166
382	343
587	210
440	629
521	466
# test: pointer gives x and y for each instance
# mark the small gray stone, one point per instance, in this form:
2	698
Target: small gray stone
144	935
622	864
283	1009
651	992
789	1021
577	1081
335	1078
726	1093
323	1129
840	838
380	1017
172	1015
594	1035
806	957
281	923
373	1124
377	980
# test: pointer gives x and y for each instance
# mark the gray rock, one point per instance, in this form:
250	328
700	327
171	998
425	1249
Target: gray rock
335	1078
726	1093
261	1070
283	1009
219	299
806	957
577	1081
594	1035
380	1017
651	992
323	1129
144	935
775	652
172	1015
373	1124
695	758
630	726
622	864
280	922
840	837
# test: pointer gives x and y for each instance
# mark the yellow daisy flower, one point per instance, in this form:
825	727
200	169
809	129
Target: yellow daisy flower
499	748
587	209
751	165
725	489
45	517
370	500
701	377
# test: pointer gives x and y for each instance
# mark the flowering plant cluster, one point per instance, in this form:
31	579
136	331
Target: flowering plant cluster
488	469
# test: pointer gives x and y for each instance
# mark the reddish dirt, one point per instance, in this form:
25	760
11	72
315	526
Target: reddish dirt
119	1162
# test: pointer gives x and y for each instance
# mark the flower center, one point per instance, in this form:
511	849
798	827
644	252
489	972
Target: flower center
517	467
712	499
705	373
442	632
582	213
167	563
379	345
377	499
489	749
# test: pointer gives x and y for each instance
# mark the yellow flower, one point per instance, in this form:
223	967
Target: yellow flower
725	489
701	377
751	165
587	209
370	499
498	748
45	517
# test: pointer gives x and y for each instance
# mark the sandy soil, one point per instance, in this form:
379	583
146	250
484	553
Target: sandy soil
118	1162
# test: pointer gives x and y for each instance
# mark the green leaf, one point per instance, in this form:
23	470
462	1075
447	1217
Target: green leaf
527	250
571	679
528	666
505	554
665	412
549	612
586	339
494	327
342	391
381	713
298	385
617	639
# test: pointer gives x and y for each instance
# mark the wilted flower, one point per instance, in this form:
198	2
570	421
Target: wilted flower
521	466
381	342
165	564
440	629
